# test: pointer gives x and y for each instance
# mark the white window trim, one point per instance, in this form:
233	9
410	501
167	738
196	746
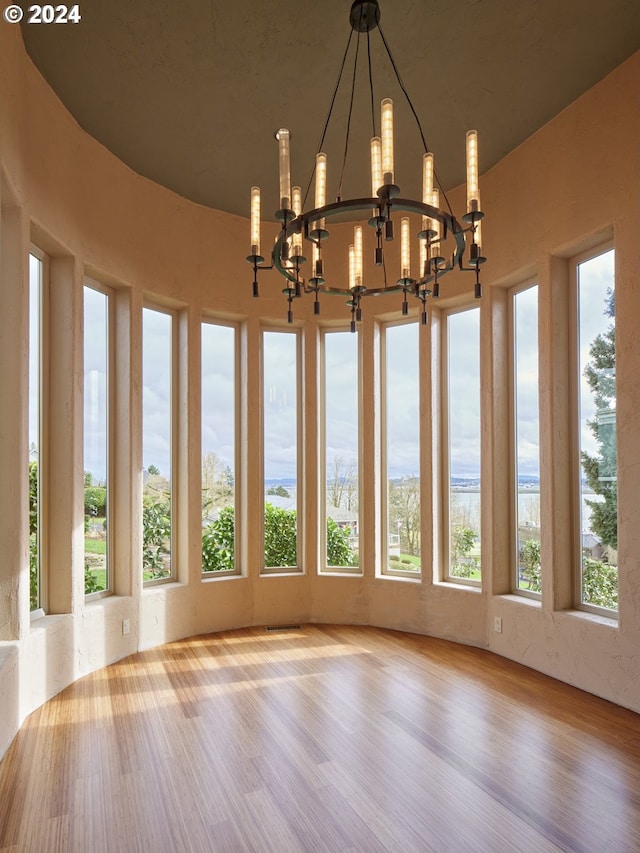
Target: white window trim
237	456
576	492
111	373
300	537
513	515
384	571
446	576
174	438
323	567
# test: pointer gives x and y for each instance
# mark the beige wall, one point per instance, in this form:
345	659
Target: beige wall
571	186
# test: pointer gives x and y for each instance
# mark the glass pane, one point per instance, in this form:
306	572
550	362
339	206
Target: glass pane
341	447
156	443
527	438
598	448
463	339
403	447
280	395
96	440
218	447
35	355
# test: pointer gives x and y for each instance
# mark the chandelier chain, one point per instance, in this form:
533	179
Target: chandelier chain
328	119
413	110
373	108
346	138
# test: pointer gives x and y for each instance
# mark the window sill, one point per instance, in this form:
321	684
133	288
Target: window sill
464	587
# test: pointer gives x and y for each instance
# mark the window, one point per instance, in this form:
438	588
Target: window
96	440
340	449
280	448
463	431
526	419
36	590
598	457
158	412
218	447
401	447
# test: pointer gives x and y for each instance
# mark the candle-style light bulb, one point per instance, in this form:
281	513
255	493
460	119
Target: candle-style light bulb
386	125
427	177
405	248
255	220
321	179
427	186
477	237
423	258
376	165
316	261
285	168
473	191
352	267
321	183
296	202
436	251
357	251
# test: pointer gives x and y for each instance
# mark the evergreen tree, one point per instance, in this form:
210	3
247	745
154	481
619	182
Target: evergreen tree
601	470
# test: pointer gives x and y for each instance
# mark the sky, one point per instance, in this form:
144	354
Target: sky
280	386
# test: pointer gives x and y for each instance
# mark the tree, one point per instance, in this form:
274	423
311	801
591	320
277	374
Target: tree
33	535
279	491
404	507
342	487
217	483
153	470
601	470
462	541
95	501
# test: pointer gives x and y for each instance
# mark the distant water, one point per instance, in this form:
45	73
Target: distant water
468	503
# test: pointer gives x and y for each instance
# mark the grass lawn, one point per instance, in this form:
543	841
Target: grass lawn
406	563
95	546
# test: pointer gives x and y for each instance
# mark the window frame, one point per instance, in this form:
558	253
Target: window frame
384	570
212	320
323	566
513	292
43	403
151	305
109	292
298	569
576	445
445	573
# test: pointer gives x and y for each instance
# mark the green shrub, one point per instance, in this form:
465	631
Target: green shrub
156	530
218	541
600	583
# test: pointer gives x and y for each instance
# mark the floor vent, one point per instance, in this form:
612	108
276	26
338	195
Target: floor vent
283	628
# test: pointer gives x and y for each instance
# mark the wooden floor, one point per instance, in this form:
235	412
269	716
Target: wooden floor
321	739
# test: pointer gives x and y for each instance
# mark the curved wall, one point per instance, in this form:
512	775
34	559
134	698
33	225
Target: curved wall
570	187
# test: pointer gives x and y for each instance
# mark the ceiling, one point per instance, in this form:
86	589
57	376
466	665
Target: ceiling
190	93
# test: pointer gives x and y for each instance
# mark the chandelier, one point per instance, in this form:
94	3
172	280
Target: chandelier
442	239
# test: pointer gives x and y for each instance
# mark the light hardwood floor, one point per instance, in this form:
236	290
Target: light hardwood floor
322	739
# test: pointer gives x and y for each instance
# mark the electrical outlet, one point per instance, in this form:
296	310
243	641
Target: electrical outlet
497	624
126	626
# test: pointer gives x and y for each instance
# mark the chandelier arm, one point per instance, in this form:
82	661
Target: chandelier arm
328	119
300	225
346	139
